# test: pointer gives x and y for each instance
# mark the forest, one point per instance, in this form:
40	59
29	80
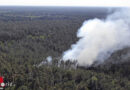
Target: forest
28	35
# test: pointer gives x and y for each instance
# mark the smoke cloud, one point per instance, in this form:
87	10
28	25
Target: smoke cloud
100	38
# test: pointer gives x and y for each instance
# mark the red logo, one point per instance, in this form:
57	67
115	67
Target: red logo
2	84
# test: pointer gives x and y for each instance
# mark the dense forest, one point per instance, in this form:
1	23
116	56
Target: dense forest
28	35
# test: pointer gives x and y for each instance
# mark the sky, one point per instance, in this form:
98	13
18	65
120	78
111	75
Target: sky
113	3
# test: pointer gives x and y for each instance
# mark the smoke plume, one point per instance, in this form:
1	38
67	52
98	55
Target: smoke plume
100	38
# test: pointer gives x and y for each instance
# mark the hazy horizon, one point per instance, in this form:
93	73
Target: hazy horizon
72	3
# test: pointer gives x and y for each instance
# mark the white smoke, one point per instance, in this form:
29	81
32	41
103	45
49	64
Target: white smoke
49	59
100	38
